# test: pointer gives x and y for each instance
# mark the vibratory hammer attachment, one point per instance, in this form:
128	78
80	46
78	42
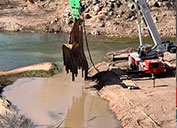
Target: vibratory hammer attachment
73	51
75	8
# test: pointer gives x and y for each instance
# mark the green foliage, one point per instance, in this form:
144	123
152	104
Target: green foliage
55	71
109	60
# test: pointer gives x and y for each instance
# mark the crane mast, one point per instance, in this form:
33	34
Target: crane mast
144	10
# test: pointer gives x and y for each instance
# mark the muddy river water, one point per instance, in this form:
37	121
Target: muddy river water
55	101
58	101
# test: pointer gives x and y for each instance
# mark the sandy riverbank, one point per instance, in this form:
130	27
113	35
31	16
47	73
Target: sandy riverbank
38	70
9	115
3	106
145	107
45	69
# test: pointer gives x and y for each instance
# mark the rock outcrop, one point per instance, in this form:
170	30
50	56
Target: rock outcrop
109	17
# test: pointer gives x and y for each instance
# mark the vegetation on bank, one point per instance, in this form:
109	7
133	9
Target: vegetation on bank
7	80
148	39
14	118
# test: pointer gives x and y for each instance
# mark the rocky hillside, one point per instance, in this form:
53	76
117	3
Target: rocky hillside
109	17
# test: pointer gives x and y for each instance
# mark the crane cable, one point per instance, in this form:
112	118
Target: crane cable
90	57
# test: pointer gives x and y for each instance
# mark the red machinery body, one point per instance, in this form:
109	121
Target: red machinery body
150	66
154	66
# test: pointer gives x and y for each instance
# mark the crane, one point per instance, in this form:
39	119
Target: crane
147	59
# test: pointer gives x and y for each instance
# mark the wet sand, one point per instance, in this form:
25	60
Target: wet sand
147	107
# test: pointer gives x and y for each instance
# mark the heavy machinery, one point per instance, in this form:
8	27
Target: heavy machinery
149	59
73	51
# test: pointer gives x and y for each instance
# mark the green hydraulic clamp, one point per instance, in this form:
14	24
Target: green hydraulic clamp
75	7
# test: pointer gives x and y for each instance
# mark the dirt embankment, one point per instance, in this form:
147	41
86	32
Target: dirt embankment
144	106
3	106
109	17
8	115
39	70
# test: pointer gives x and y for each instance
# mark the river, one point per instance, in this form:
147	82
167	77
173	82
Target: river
21	49
56	100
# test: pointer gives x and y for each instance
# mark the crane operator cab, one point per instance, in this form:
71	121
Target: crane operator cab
146	60
147	51
144	50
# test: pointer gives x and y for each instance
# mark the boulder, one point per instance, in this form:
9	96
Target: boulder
102	24
131	5
95	32
87	16
130	14
69	21
97	8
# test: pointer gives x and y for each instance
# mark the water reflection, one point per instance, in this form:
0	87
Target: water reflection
50	100
75	114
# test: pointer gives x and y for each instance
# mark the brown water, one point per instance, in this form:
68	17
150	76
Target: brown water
55	100
49	101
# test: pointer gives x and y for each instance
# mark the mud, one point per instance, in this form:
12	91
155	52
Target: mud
58	101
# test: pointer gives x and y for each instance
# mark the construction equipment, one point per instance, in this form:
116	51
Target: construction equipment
73	52
148	58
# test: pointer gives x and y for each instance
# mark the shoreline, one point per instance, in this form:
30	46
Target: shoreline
146	106
109	35
100	37
46	69
133	108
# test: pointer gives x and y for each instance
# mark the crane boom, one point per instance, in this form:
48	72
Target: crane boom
143	8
